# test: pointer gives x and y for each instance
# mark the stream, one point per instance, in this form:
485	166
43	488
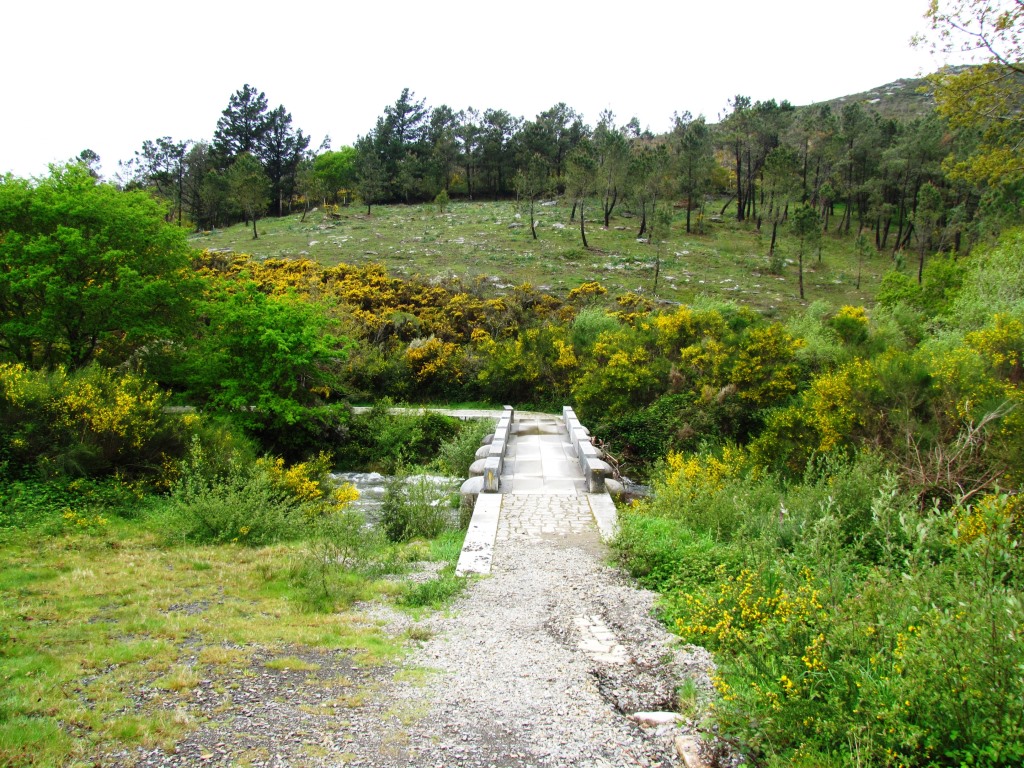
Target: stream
435	489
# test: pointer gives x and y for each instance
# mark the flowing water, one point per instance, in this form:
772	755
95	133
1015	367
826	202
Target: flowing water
372	486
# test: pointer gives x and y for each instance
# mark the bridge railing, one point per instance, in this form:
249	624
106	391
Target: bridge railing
595	469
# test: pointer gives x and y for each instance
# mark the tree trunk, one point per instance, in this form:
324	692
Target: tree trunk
727	202
740	205
775	229
583	231
533	222
609	208
906	237
801	268
572	216
688	216
643	220
254	235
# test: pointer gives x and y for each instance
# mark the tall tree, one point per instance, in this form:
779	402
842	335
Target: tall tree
611	162
694	160
309	184
807	229
400	145
371	182
280	150
581	180
497	157
242	125
442	140
160	166
531	181
250	188
782	185
646	178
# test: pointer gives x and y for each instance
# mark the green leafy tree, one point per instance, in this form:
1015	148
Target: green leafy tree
694	160
338	170
250	188
611	163
531	181
581	181
807	229
86	270
782	184
264	358
499	130
442	139
985	100
309	185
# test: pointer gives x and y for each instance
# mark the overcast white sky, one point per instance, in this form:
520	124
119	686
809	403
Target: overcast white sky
109	74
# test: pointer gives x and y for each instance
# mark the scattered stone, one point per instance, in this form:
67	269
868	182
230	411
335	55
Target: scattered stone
657	718
687	747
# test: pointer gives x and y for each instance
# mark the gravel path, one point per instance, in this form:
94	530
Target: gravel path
540	664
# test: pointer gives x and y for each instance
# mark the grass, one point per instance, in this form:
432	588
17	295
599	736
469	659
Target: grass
474	242
105	635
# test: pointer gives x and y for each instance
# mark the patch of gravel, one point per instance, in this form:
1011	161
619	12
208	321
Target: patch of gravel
502	678
512	685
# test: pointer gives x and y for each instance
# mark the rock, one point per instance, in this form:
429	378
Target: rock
657	718
558	225
515	225
615	489
483	451
687	749
487	440
476	469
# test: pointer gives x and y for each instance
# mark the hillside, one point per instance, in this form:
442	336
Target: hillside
903	99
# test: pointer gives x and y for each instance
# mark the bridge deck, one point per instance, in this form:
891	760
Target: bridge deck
542	493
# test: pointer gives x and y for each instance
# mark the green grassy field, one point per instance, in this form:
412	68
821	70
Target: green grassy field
108	636
485	243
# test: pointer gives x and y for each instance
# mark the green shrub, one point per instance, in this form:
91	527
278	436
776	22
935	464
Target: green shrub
342	554
89	423
415	508
456	454
383	440
434	593
849	625
243	505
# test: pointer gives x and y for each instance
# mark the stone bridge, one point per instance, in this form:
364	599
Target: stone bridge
536	475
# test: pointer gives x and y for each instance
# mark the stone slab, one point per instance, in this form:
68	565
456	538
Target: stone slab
605	515
478	546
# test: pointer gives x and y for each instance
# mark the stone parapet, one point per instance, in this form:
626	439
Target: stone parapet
595	469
